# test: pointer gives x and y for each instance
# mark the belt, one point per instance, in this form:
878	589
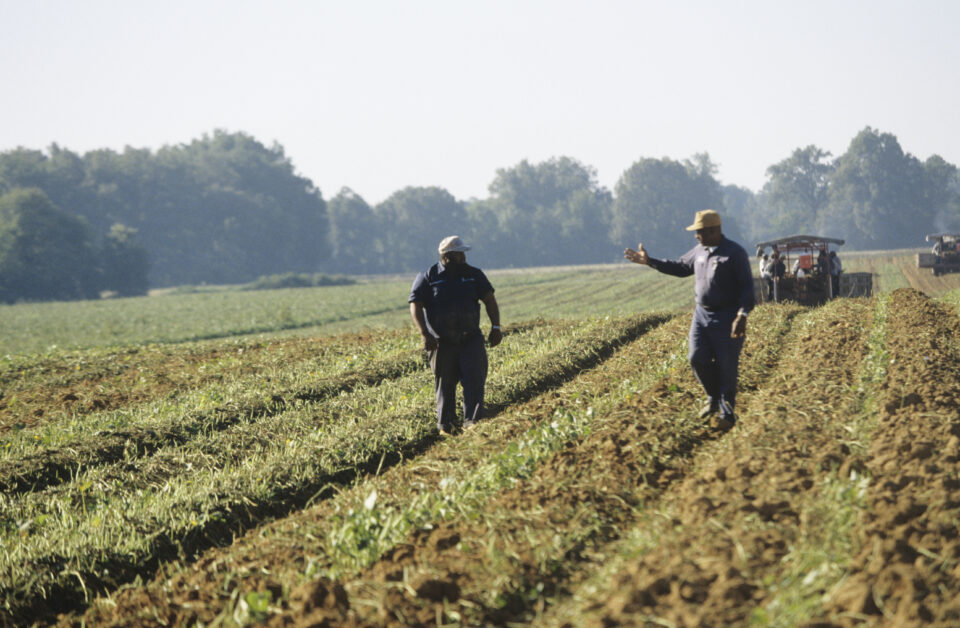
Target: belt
716	309
461	337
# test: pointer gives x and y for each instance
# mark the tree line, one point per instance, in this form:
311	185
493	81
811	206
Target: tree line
227	209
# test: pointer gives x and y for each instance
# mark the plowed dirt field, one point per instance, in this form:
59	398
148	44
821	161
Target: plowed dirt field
300	483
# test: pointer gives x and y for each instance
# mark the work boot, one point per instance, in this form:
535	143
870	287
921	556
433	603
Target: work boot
710	408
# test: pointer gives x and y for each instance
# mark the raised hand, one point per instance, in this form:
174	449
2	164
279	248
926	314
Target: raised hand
637	257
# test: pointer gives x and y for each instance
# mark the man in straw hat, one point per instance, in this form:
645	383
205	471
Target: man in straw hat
445	306
724	293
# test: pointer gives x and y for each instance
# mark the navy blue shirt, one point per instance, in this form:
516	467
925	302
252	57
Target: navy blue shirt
724	280
451	296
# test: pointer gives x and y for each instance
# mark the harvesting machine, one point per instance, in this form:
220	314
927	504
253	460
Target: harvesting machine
945	256
810	273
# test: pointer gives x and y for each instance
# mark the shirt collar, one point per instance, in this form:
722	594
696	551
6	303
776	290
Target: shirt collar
713	249
441	268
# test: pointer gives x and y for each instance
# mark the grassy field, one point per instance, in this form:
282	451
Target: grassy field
377	304
208	465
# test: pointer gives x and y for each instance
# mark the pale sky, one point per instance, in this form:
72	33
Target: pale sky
378	95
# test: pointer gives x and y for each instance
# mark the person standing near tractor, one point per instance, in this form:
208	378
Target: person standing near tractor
835	269
445	307
766	276
724	296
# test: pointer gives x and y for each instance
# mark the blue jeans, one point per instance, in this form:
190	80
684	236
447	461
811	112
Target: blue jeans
715	357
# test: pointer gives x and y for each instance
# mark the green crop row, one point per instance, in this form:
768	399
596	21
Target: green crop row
49	453
114	520
351	530
98	382
35	458
379	512
363	531
71	367
365	528
524	552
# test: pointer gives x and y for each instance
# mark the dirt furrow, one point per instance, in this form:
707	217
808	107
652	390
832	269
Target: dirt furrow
522	548
271	557
601	345
57	388
715	539
50	468
908	569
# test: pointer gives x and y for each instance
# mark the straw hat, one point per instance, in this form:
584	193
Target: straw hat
704	219
452	244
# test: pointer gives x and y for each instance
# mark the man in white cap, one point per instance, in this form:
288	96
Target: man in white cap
445	306
724	293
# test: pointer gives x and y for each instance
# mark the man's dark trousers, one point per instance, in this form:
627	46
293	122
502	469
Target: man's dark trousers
461	361
715	357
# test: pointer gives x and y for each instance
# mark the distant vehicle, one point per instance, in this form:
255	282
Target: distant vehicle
945	255
808	262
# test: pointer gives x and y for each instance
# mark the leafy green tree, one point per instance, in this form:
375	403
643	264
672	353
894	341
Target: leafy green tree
941	191
703	171
796	191
22	168
492	245
412	222
745	209
655	200
244	211
45	253
553	212
876	197
356	239
124	262
221	209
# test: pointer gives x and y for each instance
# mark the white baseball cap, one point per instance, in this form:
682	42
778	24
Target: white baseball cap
452	244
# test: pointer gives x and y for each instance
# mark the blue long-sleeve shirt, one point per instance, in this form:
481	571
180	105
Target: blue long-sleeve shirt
724	280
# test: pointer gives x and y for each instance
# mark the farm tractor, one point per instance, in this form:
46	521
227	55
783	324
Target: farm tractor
945	256
806	271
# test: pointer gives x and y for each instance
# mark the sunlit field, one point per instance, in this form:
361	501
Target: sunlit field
565	292
374	304
234	458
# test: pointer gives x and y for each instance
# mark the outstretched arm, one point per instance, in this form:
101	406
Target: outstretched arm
682	267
